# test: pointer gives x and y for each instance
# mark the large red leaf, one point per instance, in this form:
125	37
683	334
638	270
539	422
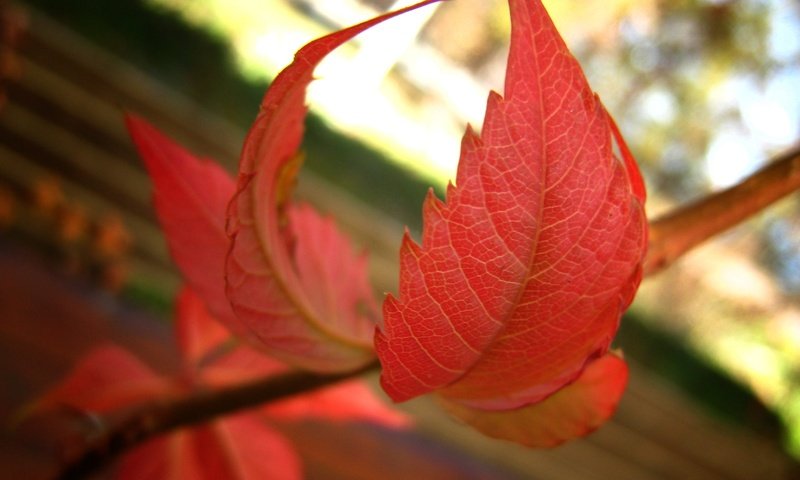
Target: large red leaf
525	269
279	294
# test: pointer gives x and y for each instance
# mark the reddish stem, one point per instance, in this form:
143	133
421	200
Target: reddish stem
684	228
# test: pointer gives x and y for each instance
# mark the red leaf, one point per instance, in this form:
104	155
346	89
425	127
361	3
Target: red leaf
240	447
106	379
524	271
198	334
190	196
574	411
344	402
274	290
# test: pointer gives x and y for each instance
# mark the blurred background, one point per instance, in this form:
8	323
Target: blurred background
704	91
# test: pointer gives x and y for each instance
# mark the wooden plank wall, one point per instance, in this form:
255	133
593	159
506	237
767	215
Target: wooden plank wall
63	119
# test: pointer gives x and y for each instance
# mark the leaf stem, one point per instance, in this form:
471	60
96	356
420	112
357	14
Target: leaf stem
159	417
671	236
684	228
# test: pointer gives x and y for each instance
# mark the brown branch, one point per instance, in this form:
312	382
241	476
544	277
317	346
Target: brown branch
155	418
670	237
684	228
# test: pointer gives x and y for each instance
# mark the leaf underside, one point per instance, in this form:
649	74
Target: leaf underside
524	270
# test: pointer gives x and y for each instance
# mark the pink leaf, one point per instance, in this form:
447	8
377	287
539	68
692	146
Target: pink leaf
526	268
106	379
191	197
273	288
574	411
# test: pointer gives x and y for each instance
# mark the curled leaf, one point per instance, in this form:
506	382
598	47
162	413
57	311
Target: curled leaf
276	279
191	197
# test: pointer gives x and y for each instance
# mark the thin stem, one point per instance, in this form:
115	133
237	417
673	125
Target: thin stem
156	418
670	237
684	228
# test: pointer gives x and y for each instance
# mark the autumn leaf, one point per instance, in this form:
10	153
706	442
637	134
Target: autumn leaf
242	446
279	281
190	196
106	379
523	272
110	378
